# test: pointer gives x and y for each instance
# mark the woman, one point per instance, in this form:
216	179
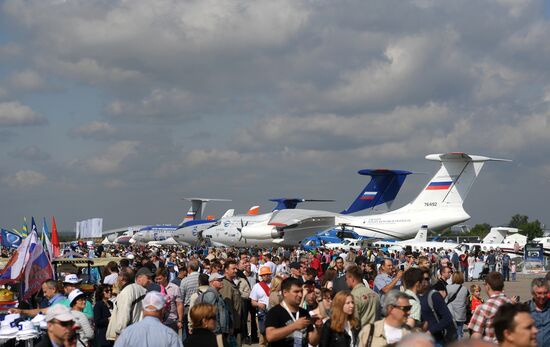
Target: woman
275	296
323	310
342	329
102	313
203	319
457	299
85	333
328	278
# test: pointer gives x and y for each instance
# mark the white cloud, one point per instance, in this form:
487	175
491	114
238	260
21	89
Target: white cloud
111	160
13	113
26	80
25	179
94	130
31	153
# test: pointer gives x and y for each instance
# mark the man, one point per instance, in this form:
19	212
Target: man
144	277
339	282
188	287
70	283
295	271
506	267
288	325
259	297
340	267
232	296
384	282
174	316
539	307
441	285
128	306
150	331
51	295
491	260
481	323
391	329
245	288
514	326
367	303
268	262
223	312
60	326
412	281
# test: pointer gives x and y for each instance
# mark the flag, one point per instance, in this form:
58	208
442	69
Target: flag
46	239
10	239
55	240
13	271
37	270
24	228
33	226
17	232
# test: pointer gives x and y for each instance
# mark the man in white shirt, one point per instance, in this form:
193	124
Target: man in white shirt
259	297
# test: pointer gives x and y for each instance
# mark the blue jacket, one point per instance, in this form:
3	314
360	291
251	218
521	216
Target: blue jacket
444	315
542	322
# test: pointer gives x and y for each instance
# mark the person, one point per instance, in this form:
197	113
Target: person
188	287
434	311
275	296
223	312
128	307
324	308
412	281
506	266
111	273
366	301
445	274
244	289
456	301
419	340
203	320
52	295
481	323
513	270
288	325
102	313
60	326
231	295
339	283
474	300
342	328
149	331
392	328
144	277
539	307
70	283
259	297
327	281
174	316
85	331
514	326
385	282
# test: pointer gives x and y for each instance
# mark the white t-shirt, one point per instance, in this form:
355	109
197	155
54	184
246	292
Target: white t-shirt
258	294
110	279
393	335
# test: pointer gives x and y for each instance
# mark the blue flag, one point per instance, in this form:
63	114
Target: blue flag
10	239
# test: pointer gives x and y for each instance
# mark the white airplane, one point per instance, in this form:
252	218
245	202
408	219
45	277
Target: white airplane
186	232
439	205
381	190
419	242
503	238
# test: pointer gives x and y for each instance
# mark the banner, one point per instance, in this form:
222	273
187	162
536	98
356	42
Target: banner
533	258
10	239
89	228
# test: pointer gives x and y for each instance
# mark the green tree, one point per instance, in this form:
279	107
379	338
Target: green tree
480	230
518	220
531	230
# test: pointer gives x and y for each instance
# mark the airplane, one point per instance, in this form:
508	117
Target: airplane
381	190
419	242
333	235
184	233
439	205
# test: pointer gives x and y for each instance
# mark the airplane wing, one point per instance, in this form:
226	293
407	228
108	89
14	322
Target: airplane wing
288	218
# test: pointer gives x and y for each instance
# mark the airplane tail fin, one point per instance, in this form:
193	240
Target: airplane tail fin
197	208
284	203
422	235
253	211
382	189
451	184
229	213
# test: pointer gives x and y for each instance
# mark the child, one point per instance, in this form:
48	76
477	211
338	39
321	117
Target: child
513	270
474	300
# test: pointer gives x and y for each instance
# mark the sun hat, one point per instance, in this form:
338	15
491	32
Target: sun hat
153	301
265	270
59	312
214	277
75	294
72	278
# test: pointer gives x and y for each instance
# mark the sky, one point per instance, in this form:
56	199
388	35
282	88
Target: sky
119	109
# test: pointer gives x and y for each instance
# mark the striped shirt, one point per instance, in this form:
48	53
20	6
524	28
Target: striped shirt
189	287
482	319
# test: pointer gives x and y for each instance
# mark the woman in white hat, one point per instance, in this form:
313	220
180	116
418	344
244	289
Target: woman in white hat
85	333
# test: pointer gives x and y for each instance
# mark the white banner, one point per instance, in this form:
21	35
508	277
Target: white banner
89	228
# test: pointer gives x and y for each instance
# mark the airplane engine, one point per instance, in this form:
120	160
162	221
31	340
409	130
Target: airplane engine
261	231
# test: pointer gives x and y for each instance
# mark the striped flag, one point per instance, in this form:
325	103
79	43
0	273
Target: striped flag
46	239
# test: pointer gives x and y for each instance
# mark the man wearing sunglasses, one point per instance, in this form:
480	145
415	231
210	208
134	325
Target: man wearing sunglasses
60	325
391	329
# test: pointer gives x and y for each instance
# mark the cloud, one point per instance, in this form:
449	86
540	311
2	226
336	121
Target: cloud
26	80
25	179
31	153
112	159
14	113
95	130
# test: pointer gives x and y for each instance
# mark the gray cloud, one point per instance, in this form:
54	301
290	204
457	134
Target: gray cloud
13	113
31	153
94	130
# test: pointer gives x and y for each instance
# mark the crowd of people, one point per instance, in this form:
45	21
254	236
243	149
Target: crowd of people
288	297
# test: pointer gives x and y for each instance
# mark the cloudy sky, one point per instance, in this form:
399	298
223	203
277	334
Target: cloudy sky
118	109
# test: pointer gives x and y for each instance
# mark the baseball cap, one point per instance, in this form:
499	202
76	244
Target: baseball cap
169	264
214	277
265	270
59	312
144	271
75	294
295	265
153	301
72	278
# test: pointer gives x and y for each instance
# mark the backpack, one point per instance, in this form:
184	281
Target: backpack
450	332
